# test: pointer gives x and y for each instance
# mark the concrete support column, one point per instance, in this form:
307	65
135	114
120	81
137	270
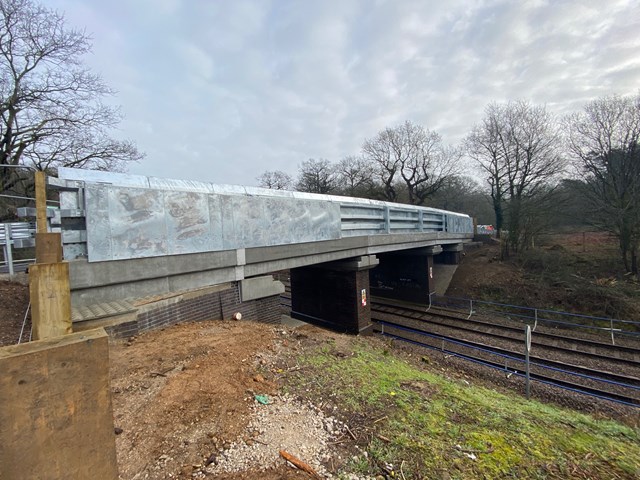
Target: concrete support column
405	275
334	294
451	254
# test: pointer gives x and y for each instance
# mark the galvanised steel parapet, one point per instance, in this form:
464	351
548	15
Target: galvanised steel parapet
111	216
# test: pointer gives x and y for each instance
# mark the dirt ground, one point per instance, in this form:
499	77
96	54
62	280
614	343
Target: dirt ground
14	299
182	394
481	266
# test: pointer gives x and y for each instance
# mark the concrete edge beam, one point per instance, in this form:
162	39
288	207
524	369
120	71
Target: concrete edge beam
368	244
90	274
155	286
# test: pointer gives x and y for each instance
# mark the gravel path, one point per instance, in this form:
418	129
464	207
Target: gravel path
300	429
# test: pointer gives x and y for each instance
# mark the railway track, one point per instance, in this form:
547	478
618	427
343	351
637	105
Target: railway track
603	351
582	365
572	386
609	380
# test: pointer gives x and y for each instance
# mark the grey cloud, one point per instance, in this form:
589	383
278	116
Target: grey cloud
222	91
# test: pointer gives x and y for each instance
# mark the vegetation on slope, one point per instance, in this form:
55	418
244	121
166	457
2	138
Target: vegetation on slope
411	421
578	272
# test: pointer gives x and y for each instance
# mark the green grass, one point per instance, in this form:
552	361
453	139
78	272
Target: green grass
436	424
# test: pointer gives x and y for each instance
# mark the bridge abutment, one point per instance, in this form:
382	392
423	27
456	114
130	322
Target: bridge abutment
334	294
405	275
451	254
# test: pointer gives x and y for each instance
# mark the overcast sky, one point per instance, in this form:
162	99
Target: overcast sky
221	91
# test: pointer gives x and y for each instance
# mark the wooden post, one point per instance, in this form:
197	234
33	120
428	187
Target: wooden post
50	300
48	248
41	203
48	277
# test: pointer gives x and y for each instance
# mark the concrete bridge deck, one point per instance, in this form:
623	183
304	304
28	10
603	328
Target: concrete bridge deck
131	236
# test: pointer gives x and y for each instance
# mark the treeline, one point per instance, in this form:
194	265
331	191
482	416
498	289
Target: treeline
521	168
405	164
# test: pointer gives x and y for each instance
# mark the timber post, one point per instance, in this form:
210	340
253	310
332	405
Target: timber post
49	276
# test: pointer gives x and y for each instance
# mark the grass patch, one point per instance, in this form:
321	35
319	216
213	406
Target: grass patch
443	428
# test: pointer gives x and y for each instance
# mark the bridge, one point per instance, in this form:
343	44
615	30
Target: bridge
144	250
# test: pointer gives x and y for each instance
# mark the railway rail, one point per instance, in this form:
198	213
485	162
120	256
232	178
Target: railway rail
589	366
610	380
572	386
599	350
520	357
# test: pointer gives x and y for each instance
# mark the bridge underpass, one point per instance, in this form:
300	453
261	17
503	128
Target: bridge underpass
144	252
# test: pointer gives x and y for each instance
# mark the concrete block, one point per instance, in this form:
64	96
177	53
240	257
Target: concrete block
260	287
56	415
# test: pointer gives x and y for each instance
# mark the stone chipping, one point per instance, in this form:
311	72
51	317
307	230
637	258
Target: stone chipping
300	428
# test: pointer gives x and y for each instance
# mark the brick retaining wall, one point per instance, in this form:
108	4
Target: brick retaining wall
193	307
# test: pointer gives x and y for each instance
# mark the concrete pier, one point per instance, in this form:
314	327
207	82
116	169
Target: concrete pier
335	294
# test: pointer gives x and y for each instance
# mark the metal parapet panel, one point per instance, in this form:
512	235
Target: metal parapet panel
111	216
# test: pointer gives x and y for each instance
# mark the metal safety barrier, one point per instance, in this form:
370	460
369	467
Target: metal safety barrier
15	235
100	210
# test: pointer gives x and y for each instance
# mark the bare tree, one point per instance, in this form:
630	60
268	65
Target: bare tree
518	146
484	146
275	180
354	176
464	194
379	152
604	141
51	112
414	156
316	176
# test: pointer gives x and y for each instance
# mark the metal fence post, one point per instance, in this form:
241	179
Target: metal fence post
387	219
527	346
9	259
613	340
429	307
